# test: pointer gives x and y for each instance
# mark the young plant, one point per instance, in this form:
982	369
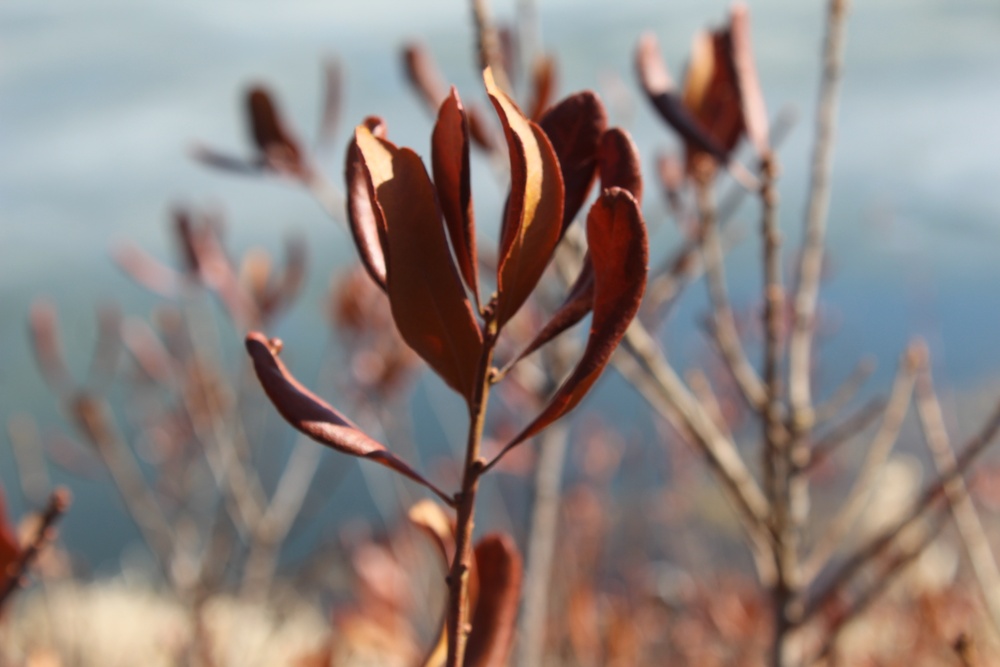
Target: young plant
417	240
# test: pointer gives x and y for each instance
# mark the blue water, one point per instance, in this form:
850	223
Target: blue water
99	101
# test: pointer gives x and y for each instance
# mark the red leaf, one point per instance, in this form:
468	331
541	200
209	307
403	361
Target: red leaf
661	92
574	126
278	147
429	304
533	219
450	162
616	235
620	165
423	74
313	416
10	550
751	97
366	227
499	570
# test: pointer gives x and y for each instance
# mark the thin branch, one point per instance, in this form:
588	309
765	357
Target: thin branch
14	578
851	426
970	528
846	392
724	324
811	262
871	470
876	545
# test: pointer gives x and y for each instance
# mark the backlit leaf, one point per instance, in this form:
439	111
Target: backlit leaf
313	416
616	235
366	227
711	95
452	178
429	304
533	218
574	126
499	569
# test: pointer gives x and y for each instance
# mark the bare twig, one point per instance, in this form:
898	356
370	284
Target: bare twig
14	578
876	545
851	426
871	469
846	392
811	262
724	325
970	528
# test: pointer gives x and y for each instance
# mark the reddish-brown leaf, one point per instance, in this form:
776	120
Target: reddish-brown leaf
574	126
711	95
578	302
660	90
499	571
423	74
620	166
146	270
616	235
533	218
452	178
751	98
278	147
366	227
430	518
543	87
10	551
313	416
429	304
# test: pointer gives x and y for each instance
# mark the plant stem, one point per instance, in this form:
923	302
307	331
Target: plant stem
465	503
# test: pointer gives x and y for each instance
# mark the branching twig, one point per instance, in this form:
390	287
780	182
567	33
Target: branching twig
852	425
871	469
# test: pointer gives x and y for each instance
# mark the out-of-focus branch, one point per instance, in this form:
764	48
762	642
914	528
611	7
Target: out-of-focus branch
871	469
846	392
13	579
876	545
811	262
723	323
488	43
852	425
970	528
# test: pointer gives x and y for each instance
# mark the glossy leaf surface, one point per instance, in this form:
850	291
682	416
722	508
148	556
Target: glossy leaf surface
574	126
616	235
429	304
311	415
452	178
533	217
620	165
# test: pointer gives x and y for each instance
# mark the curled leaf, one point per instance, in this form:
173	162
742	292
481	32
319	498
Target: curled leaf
452	178
533	218
616	235
500	569
366	228
660	90
574	126
429	304
279	149
314	417
430	518
619	163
